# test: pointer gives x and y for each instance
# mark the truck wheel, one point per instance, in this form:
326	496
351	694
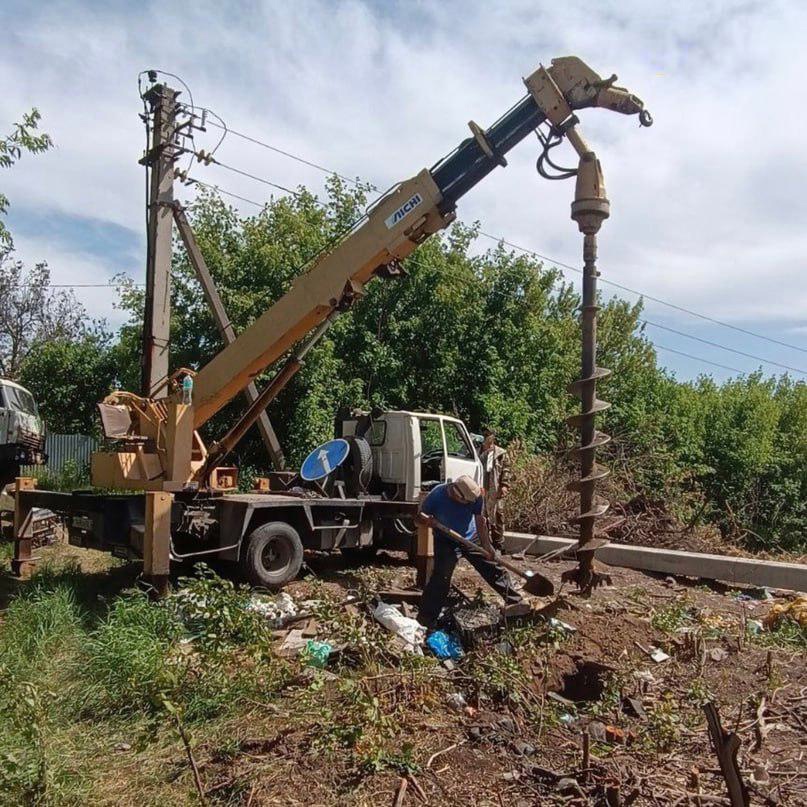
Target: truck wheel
273	555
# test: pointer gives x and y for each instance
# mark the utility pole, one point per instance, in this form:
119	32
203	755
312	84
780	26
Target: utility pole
162	211
157	315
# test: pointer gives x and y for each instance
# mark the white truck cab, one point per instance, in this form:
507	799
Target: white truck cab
414	451
22	432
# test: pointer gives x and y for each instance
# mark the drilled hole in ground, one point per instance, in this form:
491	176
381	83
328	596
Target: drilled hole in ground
585	683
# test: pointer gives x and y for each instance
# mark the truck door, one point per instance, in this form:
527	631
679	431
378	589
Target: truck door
460	457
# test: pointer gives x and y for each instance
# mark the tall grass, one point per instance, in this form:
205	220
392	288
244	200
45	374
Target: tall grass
68	674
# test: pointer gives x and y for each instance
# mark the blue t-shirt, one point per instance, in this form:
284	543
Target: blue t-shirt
456	515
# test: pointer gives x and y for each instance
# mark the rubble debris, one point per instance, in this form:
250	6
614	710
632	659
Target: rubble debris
562	626
456	700
633	707
410	630
293	643
656	653
276	610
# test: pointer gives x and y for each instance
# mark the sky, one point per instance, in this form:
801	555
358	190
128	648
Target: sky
707	206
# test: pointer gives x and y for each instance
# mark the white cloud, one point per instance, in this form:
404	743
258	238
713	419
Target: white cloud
707	206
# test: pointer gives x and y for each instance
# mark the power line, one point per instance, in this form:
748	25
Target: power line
219	189
646	296
647	322
723	347
698	358
674	306
291	156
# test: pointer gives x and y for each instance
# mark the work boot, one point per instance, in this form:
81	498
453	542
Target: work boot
516	609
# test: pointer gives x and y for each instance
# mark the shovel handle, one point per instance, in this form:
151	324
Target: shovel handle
478	550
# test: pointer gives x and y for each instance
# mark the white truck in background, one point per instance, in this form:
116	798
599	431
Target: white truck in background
22	432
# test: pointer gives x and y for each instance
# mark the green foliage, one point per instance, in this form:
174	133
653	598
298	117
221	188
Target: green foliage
24	137
71	476
68	377
492	337
787	633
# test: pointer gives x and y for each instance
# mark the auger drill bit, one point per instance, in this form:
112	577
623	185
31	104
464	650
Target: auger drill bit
570	84
589	209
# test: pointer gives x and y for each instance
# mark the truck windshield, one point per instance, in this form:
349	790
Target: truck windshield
19	399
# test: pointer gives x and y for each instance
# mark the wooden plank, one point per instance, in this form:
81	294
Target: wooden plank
23	560
750	571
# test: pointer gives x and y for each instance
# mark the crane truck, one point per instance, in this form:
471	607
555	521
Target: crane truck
182	500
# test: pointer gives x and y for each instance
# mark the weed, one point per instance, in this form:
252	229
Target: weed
787	633
664	724
670	618
699	693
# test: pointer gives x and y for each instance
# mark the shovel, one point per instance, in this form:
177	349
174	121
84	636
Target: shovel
534	582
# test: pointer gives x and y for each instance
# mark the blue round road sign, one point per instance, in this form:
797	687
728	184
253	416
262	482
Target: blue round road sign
324	459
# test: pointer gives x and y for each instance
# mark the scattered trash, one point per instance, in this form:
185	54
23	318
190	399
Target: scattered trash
633	707
505	648
475	622
644	676
444	645
457	701
567	719
275	610
619	736
796	610
511	776
564	626
656	653
493	727
567	785
410	630
293	643
754	627
317	653
718	654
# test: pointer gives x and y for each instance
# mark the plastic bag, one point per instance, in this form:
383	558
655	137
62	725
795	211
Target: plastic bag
410	630
444	645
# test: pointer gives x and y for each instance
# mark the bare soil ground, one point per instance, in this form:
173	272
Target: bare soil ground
531	692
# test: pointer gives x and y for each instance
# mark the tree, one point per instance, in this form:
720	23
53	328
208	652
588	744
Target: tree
23	138
68	377
30	312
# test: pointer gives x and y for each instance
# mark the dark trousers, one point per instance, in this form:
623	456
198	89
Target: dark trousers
446	555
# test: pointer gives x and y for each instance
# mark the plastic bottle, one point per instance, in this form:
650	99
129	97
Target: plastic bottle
187	390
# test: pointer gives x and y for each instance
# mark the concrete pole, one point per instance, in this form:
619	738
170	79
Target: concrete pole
157	314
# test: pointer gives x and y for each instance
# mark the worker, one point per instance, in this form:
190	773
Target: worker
459	505
496	482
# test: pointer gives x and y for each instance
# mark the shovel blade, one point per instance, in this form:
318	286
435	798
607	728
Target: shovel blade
538	586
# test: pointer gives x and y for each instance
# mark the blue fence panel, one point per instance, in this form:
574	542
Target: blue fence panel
63	448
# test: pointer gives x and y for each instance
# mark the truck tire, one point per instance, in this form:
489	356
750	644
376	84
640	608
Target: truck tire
273	555
359	467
